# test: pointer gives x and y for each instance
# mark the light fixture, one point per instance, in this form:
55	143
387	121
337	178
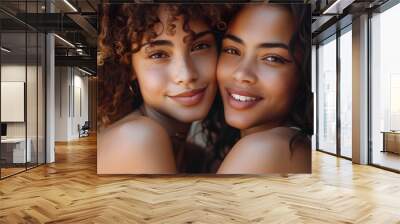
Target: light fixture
84	71
338	6
65	41
70	5
5	50
80	51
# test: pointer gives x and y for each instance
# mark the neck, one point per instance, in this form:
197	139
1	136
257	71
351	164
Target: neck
174	127
259	128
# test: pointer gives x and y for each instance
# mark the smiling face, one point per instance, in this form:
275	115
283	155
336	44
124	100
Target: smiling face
176	75
257	76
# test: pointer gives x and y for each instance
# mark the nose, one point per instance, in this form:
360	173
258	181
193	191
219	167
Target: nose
185	72
244	73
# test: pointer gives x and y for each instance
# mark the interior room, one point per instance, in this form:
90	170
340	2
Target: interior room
49	127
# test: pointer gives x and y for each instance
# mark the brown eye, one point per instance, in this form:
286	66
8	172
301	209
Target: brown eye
231	50
200	46
158	55
274	59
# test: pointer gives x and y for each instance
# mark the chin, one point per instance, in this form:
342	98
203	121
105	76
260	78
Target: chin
191	116
239	122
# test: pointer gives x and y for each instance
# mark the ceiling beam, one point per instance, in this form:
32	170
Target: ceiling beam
84	24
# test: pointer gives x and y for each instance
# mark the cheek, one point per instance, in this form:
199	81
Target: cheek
151	77
280	84
152	82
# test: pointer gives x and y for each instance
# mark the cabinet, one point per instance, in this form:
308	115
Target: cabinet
391	141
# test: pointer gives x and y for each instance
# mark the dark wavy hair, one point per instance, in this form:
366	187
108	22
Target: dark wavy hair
301	112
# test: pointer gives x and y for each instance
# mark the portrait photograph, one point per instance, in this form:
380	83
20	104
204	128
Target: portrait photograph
208	88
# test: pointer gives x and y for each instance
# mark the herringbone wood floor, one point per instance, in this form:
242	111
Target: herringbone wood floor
69	191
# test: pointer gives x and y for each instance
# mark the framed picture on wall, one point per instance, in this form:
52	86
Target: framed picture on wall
12	101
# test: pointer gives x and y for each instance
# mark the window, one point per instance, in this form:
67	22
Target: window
385	89
327	96
346	93
22	66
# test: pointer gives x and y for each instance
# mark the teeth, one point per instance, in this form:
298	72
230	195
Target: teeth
242	98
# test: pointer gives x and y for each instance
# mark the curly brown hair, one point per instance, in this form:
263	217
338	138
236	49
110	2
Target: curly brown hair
123	28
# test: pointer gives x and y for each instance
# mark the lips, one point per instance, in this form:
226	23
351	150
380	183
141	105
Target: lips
189	98
241	99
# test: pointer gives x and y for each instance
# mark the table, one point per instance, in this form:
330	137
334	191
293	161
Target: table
16	147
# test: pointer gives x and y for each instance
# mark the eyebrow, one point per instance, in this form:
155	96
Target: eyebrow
233	38
169	43
159	43
201	34
274	45
262	45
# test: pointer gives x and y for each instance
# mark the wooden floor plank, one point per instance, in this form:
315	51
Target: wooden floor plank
70	191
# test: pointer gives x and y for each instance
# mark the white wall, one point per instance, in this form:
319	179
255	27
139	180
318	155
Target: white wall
61	103
16	73
71	94
33	126
80	102
9	73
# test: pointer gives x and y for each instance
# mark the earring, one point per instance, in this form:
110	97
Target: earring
131	87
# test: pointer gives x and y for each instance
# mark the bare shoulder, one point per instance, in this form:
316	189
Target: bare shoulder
134	144
279	150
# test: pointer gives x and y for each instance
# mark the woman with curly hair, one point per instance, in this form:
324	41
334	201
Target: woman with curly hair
157	67
264	79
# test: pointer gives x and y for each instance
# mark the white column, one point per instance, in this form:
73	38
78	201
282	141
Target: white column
360	90
50	93
50	100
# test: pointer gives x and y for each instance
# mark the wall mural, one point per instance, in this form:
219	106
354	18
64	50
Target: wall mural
204	88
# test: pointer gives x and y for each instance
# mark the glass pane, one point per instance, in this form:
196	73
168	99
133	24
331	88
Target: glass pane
314	90
13	88
41	98
385	84
327	97
346	94
31	100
